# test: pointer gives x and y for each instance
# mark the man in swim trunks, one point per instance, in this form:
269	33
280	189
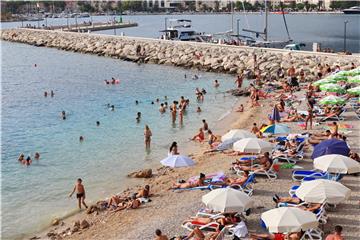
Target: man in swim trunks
80	193
205	125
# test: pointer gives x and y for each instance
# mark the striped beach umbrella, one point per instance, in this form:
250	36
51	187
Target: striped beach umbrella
323	81
338	78
331	100
331	87
355	90
354	79
276	129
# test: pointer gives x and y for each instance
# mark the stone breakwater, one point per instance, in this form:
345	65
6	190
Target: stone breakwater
202	56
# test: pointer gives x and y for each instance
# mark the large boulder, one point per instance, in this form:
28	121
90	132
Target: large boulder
145	173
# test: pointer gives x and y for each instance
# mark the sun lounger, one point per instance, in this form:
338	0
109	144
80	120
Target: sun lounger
331	117
271	173
247	187
313	234
203	227
294	158
299	175
204	212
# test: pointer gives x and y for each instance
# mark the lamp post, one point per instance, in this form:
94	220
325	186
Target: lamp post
345	22
238	27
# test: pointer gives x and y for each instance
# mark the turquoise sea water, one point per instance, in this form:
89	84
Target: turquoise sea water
32	196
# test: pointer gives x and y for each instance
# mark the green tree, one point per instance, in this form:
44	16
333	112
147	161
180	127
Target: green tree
292	5
216	6
307	6
85	7
300	6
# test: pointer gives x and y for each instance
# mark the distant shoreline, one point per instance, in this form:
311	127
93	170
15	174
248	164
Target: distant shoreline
18	19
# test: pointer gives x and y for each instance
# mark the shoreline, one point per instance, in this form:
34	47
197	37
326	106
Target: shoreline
220	127
197	13
168	208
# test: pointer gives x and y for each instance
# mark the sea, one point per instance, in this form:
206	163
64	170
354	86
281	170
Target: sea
34	195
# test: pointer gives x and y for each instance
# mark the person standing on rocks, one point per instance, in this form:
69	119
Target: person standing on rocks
80	193
239	81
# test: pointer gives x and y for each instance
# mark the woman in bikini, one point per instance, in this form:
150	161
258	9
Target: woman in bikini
147	135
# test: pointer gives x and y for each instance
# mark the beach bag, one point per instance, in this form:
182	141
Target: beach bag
240	230
276	167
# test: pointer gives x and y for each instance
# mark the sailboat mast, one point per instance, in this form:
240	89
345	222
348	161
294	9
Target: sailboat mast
266	21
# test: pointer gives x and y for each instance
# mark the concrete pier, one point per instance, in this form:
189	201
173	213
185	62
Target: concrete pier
85	27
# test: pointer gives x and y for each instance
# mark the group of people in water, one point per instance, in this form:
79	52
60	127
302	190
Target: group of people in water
27	161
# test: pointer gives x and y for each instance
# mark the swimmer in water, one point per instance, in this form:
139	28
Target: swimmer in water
185	76
113	81
203	91
37	156
106	81
198	110
21	157
97	123
35	65
138	118
136	102
28	161
152	103
157	100
162	108
165	105
63	115
165	97
216	84
147	136
112	108
52	93
45	94
81	139
195	77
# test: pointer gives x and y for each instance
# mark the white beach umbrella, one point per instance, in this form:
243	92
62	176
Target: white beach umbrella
237	134
322	190
252	145
335	163
227	200
176	161
289	219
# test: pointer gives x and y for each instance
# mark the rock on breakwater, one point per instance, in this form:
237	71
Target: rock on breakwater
202	56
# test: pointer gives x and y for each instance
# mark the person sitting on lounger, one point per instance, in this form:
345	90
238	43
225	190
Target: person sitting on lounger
197	183
265	164
237	181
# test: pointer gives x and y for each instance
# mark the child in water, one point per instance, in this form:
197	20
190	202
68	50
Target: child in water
80	193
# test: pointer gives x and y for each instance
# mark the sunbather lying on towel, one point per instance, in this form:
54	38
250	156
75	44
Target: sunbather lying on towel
317	138
293	117
199	235
134	203
197	183
275	236
226	220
